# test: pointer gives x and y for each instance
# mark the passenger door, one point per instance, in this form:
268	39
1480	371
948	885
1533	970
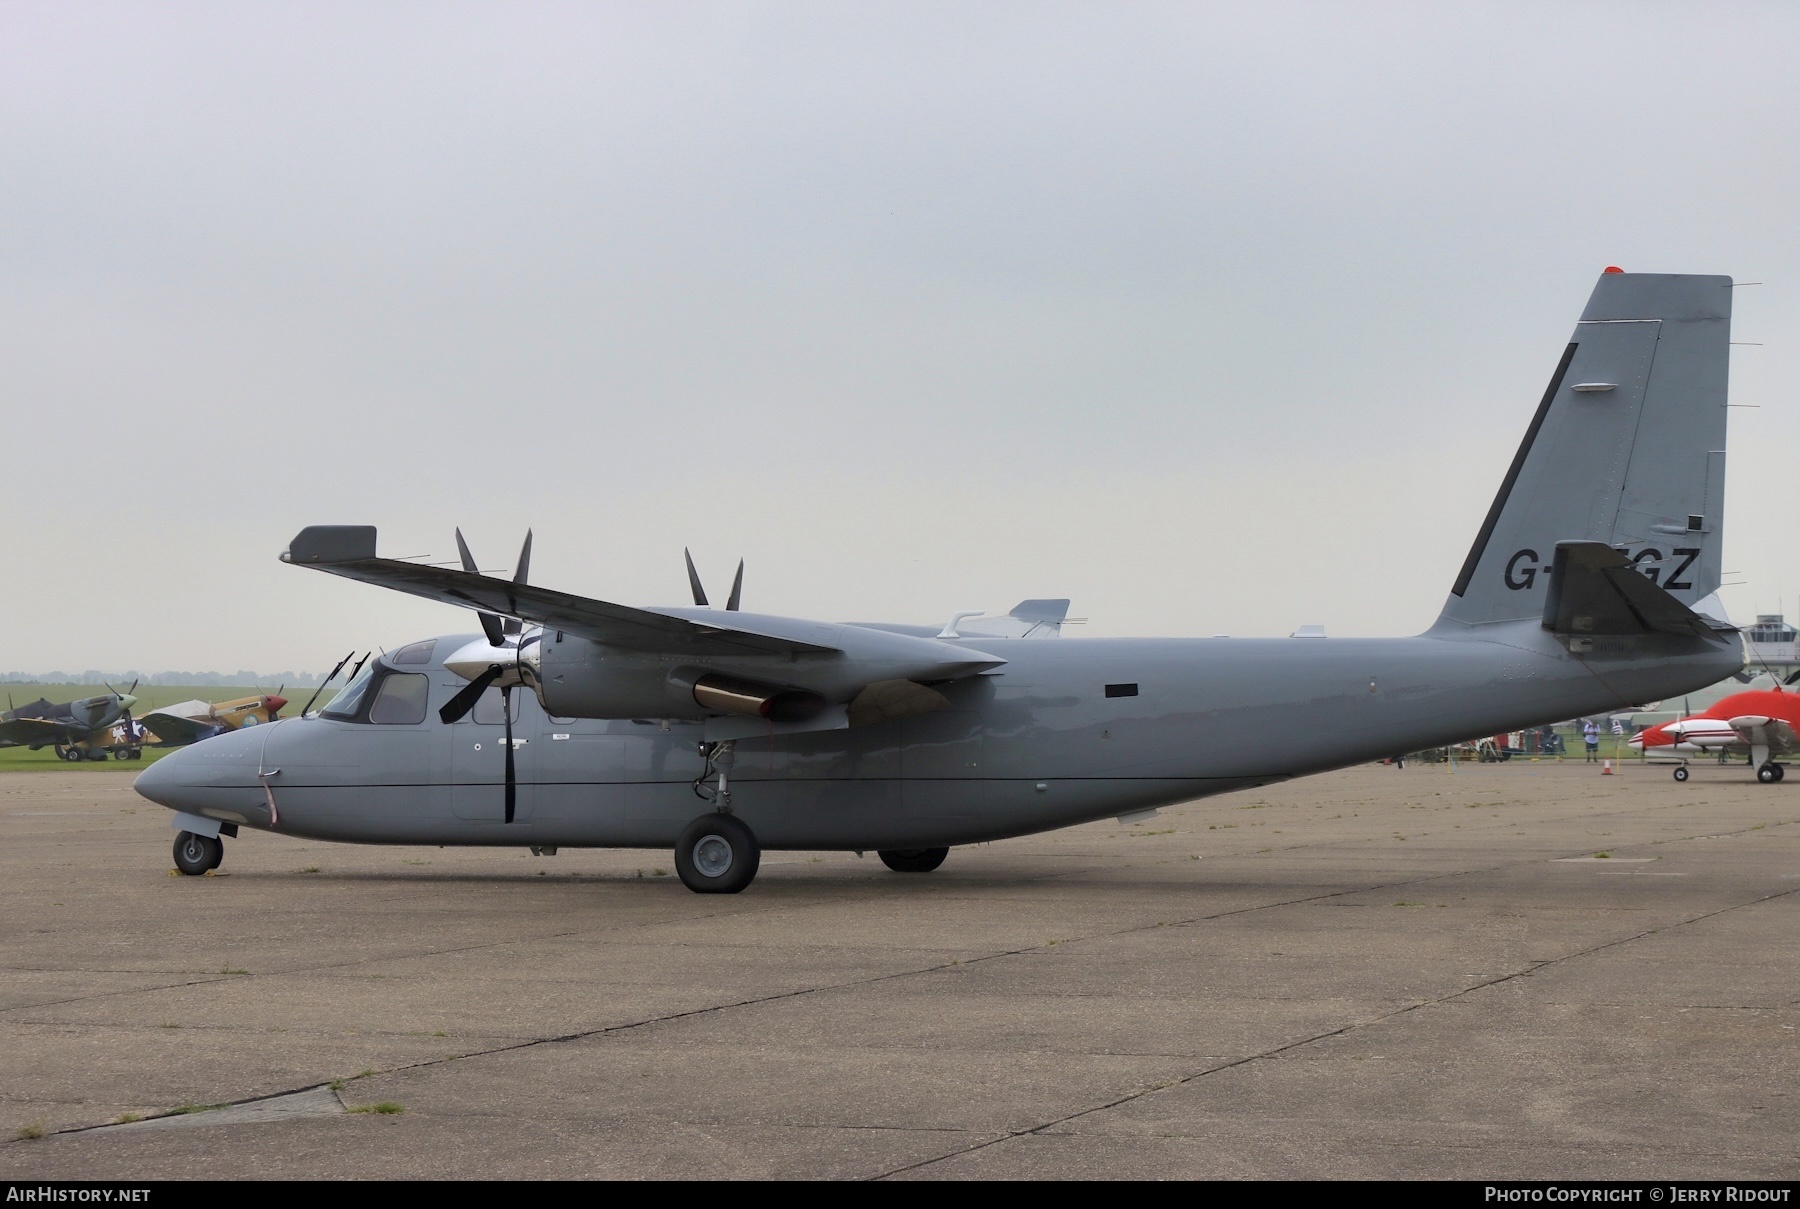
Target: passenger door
478	759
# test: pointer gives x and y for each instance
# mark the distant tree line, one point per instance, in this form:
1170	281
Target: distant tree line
269	680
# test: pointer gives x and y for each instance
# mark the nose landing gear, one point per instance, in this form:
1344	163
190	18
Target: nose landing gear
197	854
1770	772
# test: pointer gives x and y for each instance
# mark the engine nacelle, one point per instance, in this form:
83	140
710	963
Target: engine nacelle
578	678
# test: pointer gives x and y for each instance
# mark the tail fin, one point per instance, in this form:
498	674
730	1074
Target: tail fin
1627	448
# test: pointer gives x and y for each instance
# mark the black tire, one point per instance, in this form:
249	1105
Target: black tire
1681	773
913	860
716	854
195	854
1780	771
1769	773
121	753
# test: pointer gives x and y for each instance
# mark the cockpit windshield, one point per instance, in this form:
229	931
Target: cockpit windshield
346	703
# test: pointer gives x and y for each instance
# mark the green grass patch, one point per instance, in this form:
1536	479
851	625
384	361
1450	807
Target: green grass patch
150	697
386	1108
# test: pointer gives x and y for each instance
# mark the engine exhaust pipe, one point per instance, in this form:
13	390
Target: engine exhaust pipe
731	696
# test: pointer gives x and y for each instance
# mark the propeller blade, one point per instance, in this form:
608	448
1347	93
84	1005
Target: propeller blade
1792	679
511	786
492	629
458	707
521	574
737	590
490	624
694	580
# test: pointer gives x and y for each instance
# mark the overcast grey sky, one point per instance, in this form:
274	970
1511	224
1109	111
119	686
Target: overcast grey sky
1215	318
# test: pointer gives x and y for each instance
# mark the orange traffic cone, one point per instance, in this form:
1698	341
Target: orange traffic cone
1606	768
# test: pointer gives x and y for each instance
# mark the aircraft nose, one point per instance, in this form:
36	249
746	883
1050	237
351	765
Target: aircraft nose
274	703
190	777
162	782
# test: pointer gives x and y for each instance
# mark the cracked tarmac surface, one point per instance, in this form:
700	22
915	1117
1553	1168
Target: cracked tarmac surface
1372	973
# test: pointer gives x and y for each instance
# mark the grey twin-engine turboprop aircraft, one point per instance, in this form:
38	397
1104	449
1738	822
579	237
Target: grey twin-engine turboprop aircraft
722	732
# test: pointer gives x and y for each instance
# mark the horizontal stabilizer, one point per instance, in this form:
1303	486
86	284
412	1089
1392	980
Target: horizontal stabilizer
1596	590
1053	611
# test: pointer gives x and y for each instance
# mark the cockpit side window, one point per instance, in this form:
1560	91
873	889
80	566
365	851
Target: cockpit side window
401	700
416	655
346	703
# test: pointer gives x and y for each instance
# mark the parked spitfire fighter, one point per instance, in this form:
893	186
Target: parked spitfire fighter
78	730
192	721
1585	591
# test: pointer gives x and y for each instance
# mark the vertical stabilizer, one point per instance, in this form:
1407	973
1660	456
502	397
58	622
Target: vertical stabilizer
1627	448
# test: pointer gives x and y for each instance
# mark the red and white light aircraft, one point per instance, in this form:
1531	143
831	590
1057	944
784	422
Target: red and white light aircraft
1762	722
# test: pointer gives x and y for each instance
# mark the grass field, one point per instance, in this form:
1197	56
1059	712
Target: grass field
150	696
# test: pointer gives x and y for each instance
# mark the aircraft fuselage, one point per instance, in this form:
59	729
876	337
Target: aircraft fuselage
1067	731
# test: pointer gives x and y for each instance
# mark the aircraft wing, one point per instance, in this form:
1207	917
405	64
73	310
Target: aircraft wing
1775	733
173	730
23	731
349	550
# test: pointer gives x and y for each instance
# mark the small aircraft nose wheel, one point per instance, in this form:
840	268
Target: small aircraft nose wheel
1681	772
195	854
1769	773
716	854
913	860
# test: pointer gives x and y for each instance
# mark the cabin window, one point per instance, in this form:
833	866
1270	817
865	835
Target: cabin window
1121	690
487	710
401	701
416	655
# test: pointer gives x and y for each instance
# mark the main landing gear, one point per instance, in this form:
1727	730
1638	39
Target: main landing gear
1768	772
913	860
716	854
198	854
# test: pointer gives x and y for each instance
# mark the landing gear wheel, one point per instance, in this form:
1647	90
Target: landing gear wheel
195	854
1780	770
121	753
1769	773
716	854
913	860
65	753
1681	773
